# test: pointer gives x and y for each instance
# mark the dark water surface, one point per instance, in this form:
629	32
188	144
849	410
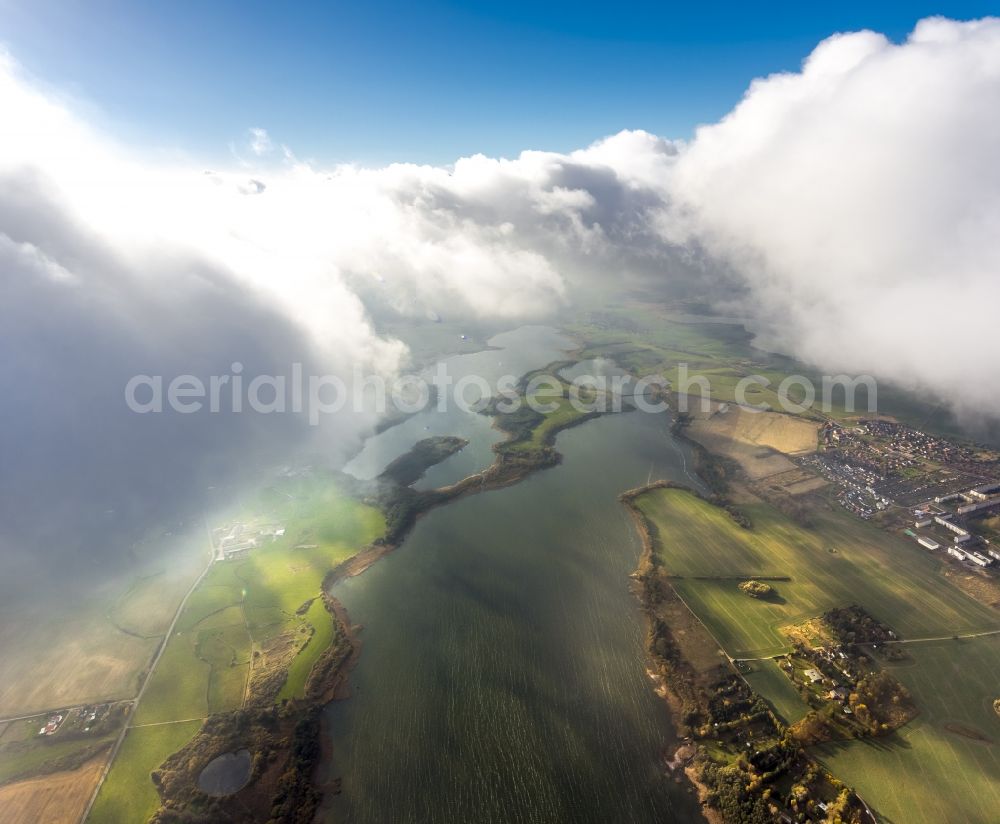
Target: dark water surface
502	677
227	774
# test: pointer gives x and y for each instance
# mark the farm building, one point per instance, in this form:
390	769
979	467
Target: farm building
928	543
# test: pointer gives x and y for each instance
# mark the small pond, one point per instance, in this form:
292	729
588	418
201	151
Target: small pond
227	774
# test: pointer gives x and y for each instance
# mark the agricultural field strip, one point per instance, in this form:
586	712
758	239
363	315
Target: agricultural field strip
53	797
268	589
950	637
714	605
947	612
145	681
927	748
963	637
769	681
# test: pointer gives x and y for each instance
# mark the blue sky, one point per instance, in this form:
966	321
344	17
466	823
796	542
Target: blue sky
380	81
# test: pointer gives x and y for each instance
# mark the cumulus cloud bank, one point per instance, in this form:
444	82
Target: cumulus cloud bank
113	263
860	200
855	204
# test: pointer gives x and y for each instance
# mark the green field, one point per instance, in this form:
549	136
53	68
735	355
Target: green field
837	561
927	773
242	604
239	606
26	758
768	680
559	418
127	795
298	672
179	688
649	338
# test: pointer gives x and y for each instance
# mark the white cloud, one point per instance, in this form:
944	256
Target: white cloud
260	142
112	264
860	201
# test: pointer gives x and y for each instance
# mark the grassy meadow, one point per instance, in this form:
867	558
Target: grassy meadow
318	618
557	419
128	795
838	560
769	681
650	338
239	607
945	766
242	604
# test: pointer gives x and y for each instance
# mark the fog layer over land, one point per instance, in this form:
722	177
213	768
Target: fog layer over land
851	208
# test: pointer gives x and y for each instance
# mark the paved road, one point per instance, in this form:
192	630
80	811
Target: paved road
964	637
66	710
951	637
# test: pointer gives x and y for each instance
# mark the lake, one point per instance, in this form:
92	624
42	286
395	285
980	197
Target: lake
502	676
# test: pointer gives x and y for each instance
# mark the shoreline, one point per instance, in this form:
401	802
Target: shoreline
329	678
686	688
667	681
505	470
681	760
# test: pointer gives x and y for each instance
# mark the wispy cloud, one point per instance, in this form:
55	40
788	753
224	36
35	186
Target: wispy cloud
260	142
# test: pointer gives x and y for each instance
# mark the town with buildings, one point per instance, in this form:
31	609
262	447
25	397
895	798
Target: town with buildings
945	521
932	488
